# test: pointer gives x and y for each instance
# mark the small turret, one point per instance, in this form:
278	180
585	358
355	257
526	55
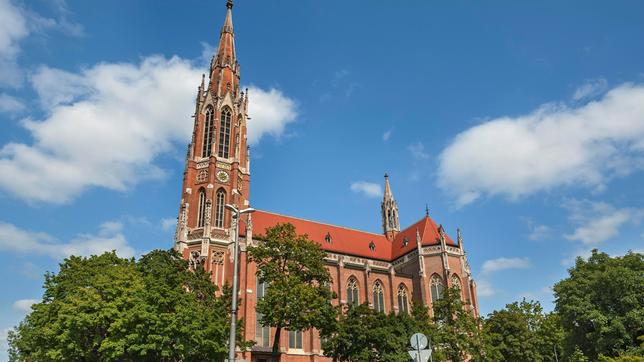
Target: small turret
389	209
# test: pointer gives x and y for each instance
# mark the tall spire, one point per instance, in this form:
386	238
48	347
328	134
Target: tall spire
389	211
224	69
228	23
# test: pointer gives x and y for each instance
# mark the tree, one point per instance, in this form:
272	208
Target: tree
522	332
105	308
457	334
298	296
601	305
362	334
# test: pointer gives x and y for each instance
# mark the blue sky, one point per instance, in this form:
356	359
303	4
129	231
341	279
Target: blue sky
521	123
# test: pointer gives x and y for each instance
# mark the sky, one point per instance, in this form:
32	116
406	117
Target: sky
522	123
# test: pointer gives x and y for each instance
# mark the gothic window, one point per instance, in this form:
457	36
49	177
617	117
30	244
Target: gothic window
219	208
353	297
224	133
295	339
403	301
456	283
405	241
378	297
328	238
218	266
262	333
201	214
208	133
372	246
390	219
436	288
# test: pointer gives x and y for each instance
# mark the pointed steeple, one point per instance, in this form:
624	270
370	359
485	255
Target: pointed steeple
228	23
226	57
389	209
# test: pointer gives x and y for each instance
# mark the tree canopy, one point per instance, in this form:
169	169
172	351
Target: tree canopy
106	308
601	305
523	332
298	296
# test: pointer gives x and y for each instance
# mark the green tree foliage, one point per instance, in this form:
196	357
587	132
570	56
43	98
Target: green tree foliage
601	305
523	332
298	296
105	308
457	334
362	334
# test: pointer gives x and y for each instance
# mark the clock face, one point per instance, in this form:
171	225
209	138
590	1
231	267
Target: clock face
222	176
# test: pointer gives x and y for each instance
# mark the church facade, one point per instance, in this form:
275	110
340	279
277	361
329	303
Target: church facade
387	270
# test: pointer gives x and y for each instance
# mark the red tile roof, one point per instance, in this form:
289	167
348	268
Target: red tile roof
354	242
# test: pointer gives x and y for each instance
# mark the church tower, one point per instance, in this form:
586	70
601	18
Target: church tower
389	210
217	170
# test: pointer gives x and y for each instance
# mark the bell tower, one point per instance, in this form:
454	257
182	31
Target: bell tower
217	170
389	210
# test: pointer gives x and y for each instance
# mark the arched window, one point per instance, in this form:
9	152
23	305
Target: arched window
353	297
262	333
208	133
219	208
436	288
201	213
456	283
224	133
378	297
403	301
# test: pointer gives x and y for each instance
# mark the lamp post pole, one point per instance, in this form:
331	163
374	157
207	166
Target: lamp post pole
236	213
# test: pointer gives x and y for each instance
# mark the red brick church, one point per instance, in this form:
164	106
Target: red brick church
388	270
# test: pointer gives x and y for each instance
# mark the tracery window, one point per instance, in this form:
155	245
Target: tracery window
262	333
436	288
219	208
201	213
378	297
224	133
403	300
208	133
353	297
456	283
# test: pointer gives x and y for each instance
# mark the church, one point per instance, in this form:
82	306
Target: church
387	270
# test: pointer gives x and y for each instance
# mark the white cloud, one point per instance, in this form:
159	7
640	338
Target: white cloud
591	88
551	147
368	189
10	104
499	264
484	288
598	221
13	28
24	305
386	135
106	125
168	224
270	111
109	237
17	23
3	343
417	151
539	232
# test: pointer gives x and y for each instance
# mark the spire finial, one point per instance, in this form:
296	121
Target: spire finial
427	210
229	4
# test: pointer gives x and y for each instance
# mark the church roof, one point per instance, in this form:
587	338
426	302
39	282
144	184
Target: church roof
343	240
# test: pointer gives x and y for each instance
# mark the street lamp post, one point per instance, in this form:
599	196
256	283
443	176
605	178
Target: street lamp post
236	213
